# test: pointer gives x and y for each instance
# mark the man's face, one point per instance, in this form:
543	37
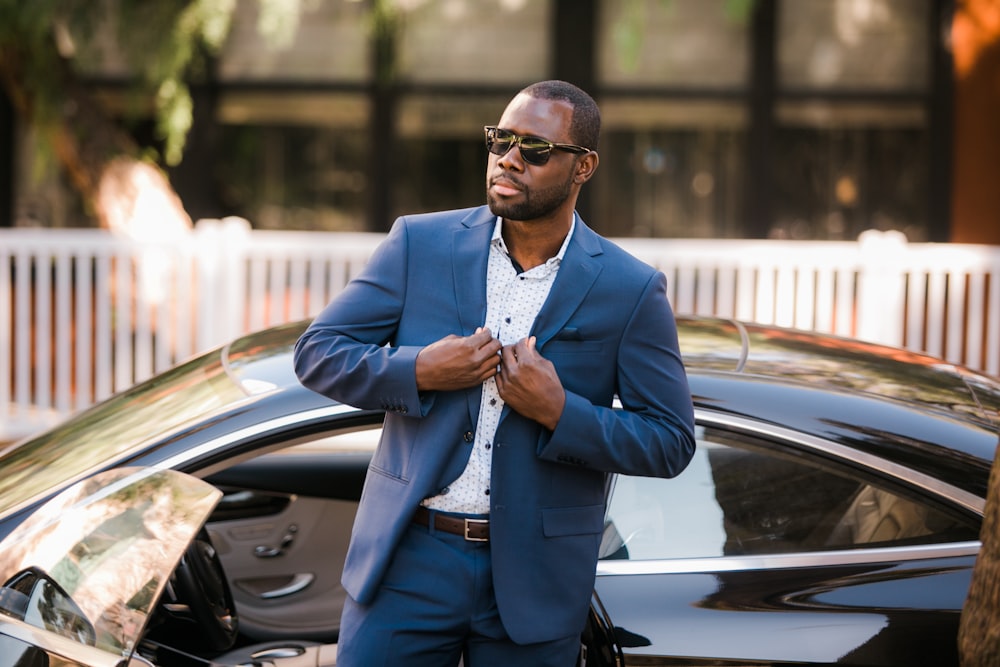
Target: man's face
517	190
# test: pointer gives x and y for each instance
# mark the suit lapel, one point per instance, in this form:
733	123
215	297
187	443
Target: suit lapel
470	253
577	273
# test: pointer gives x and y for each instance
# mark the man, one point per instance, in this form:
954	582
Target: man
496	340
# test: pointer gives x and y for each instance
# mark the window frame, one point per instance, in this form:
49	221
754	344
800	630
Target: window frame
867	465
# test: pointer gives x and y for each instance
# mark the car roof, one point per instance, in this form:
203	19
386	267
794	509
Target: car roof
838	363
907	407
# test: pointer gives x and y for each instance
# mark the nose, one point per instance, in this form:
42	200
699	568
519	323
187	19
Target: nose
512	158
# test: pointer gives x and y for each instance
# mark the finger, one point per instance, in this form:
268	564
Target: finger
509	354
482	337
523	351
491	364
487	354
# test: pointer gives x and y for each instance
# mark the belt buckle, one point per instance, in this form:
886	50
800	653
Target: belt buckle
469	537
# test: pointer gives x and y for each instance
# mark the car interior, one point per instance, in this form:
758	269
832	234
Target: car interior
746	496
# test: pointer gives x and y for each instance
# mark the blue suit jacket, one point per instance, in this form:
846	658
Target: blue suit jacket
608	329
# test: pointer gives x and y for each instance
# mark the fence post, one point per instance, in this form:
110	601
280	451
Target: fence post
881	287
221	280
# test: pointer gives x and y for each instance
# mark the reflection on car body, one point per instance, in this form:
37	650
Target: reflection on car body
830	516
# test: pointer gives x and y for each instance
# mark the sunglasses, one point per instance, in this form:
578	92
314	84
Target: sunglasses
534	150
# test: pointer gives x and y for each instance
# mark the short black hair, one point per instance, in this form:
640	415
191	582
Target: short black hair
585	126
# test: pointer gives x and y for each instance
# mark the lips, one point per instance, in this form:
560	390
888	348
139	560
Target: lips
503	187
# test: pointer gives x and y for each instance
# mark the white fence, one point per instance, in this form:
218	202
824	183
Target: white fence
84	314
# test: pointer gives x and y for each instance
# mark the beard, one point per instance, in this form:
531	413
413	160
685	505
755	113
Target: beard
535	204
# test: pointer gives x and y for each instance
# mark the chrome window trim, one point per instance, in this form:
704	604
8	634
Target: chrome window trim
903	474
791	560
256	430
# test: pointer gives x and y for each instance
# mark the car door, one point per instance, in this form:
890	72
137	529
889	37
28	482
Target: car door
282	531
81	577
771	547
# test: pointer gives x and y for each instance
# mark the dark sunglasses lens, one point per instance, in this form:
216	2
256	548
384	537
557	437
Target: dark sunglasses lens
498	141
498	146
535	151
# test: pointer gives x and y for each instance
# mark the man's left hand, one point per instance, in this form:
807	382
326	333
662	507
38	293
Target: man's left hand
529	384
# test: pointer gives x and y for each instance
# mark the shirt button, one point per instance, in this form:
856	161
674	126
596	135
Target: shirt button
488	445
487	492
469	436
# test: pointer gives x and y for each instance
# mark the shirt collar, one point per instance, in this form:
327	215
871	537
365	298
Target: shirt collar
498	242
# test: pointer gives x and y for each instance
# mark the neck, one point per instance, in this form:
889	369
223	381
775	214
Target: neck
535	242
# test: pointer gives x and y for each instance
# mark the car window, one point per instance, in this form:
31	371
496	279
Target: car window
742	496
362	439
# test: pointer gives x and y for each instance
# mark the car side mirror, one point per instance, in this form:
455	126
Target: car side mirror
35	598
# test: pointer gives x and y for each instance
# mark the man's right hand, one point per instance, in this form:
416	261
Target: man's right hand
458	362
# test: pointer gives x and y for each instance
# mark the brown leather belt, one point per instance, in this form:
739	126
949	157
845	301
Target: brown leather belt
473	530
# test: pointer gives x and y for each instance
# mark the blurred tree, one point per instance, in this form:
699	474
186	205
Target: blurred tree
979	628
165	45
975	198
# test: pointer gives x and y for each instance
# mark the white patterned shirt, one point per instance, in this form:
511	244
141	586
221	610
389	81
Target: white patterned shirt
513	300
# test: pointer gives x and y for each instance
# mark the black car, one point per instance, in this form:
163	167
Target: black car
831	514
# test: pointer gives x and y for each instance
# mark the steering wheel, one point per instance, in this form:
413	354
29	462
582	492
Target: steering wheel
201	584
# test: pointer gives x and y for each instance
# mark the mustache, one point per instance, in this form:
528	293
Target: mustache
506	180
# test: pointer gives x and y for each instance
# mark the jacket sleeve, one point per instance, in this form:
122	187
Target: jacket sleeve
345	354
654	434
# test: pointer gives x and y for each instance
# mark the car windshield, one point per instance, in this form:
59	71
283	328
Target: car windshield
91	563
111	429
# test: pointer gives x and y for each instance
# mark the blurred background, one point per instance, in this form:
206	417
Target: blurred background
755	119
176	173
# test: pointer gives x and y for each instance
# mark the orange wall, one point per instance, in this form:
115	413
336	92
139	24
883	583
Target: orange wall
976	186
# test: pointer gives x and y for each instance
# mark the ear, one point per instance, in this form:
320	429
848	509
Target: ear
585	167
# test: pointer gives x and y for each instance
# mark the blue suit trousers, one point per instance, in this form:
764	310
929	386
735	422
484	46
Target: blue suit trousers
436	608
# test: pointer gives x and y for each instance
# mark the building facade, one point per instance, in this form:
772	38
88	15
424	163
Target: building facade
788	119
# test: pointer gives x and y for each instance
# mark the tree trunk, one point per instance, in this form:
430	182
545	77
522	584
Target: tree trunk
979	629
975	198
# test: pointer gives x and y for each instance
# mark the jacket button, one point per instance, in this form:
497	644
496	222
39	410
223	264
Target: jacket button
469	436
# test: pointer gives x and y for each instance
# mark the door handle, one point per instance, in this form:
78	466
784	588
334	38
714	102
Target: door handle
298	583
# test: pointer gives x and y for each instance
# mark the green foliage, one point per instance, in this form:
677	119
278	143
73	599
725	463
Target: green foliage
165	44
385	23
168	42
31	34
631	29
739	11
